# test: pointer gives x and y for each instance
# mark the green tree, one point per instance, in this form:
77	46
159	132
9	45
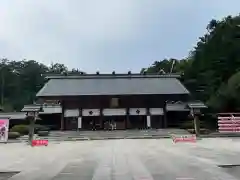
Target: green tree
227	97
214	59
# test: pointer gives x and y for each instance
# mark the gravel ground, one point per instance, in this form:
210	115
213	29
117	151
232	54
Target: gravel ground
126	159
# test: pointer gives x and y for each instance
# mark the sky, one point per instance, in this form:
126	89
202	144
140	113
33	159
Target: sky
105	35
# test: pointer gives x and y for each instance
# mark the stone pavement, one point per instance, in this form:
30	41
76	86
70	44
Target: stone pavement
123	159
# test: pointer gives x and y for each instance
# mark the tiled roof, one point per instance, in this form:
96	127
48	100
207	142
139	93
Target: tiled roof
112	85
196	104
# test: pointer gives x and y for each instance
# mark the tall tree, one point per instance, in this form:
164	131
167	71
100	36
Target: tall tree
214	59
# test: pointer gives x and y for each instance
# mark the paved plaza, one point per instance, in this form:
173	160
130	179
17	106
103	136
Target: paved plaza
125	159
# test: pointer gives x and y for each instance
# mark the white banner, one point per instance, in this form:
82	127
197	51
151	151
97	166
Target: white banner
79	122
4	125
148	121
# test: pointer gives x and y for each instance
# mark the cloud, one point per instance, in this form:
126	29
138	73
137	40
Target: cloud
104	35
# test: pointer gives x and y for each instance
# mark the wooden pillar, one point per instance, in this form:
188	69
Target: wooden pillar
79	126
149	123
165	125
127	118
101	118
62	116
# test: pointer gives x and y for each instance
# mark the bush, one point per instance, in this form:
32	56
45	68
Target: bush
188	124
22	129
43	133
38	127
13	135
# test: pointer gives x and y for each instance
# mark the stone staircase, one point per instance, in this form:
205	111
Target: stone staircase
57	136
116	134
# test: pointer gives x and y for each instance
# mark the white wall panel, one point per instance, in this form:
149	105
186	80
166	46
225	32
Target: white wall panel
91	112
137	111
114	112
71	113
156	111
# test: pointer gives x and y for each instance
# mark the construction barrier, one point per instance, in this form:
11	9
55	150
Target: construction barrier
184	138
39	142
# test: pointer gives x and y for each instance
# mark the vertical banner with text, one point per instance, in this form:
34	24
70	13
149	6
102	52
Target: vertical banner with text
4	125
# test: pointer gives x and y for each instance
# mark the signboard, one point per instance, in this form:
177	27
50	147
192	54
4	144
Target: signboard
39	142
184	138
4	125
229	123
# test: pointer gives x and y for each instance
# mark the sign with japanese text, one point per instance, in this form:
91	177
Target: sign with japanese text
184	138
39	142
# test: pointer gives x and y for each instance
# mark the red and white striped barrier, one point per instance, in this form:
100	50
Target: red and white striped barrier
39	142
228	123
184	138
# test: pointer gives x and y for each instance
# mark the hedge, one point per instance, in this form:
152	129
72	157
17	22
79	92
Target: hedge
43	133
38	127
13	135
22	129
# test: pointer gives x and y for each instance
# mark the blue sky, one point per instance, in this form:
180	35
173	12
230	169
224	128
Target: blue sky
105	35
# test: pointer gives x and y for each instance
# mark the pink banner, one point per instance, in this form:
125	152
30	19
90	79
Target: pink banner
229	123
184	138
39	142
4	125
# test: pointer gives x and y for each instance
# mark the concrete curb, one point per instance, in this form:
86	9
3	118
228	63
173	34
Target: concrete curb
220	136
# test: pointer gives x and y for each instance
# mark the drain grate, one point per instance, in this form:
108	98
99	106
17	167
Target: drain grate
7	175
229	165
232	169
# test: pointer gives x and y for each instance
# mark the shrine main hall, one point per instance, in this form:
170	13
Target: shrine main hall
131	101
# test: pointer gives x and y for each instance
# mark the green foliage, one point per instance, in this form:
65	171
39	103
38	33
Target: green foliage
38	127
23	79
43	133
21	129
227	97
13	135
210	72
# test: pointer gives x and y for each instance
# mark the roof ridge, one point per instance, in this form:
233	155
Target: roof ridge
107	76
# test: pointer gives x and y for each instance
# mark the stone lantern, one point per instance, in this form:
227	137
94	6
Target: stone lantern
32	112
195	110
